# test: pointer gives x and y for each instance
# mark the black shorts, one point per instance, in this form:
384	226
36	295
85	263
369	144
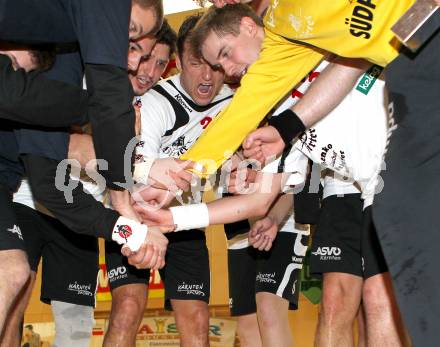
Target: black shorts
186	275
70	260
345	239
119	271
277	271
10	231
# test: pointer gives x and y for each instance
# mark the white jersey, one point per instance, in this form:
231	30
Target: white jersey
171	121
351	139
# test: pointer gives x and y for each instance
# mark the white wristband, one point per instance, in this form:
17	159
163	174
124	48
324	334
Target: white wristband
190	216
130	233
142	170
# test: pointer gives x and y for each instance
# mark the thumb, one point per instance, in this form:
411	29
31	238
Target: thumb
126	251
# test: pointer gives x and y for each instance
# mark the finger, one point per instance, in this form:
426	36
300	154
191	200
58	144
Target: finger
251	140
180	183
144	262
167	228
263	245
268	246
259	241
161	263
186	164
138	256
251	151
153	259
126	251
186	176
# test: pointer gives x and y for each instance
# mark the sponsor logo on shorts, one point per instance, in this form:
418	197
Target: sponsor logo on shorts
16	230
118	273
191	289
328	253
81	289
266	278
298	260
294	287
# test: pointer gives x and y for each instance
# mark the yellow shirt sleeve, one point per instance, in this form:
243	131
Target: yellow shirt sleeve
281	65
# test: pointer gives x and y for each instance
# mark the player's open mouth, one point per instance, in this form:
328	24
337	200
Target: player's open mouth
204	88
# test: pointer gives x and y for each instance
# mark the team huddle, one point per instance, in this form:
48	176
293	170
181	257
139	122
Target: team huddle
304	125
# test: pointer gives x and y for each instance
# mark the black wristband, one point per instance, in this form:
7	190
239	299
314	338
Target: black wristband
288	125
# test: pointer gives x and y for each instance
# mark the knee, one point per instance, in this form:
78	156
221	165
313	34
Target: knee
338	305
270	316
196	319
378	300
17	270
126	313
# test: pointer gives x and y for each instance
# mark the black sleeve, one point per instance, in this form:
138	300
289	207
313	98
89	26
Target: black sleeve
84	215
32	99
307	203
112	117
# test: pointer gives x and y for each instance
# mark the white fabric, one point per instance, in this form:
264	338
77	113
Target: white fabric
340	186
166	132
158	116
73	324
351	139
189	217
129	233
295	165
142	170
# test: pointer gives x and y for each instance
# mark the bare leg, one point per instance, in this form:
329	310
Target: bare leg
14	271
248	330
384	323
273	318
341	297
128	305
192	319
13	327
361	327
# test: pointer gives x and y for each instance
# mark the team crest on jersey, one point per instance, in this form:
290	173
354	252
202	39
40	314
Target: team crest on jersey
124	231
177	148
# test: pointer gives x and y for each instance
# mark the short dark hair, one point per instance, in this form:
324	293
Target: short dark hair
29	326
167	36
222	21
157	7
44	56
184	32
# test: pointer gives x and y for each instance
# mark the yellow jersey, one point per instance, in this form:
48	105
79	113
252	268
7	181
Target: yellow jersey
297	33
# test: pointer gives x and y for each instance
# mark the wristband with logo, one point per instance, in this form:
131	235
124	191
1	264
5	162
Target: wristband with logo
188	217
129	233
288	125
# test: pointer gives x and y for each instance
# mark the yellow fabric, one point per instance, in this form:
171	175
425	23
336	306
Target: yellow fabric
283	63
332	25
265	83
